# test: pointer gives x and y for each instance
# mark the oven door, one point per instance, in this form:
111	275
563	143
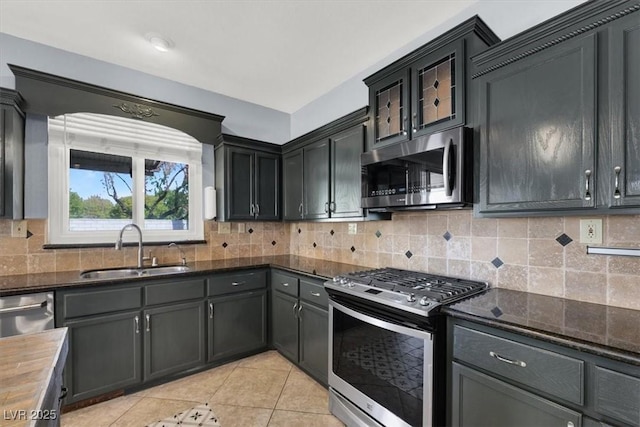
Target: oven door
383	368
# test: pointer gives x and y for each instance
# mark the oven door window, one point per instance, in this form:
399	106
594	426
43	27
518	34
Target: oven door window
386	366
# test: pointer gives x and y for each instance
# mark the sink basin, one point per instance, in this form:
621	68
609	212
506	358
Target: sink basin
119	273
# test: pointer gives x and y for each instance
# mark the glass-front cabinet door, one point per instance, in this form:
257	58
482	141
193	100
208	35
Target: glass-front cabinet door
389	101
437	90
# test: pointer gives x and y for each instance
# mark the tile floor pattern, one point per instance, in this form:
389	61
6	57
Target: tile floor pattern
261	390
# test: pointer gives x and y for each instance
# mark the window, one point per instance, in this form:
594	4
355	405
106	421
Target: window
106	172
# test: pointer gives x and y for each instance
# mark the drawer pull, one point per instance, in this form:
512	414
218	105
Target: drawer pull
285	285
148	318
210	310
315	294
237	283
509	361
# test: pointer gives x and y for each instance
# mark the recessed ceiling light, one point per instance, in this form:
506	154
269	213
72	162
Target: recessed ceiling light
159	42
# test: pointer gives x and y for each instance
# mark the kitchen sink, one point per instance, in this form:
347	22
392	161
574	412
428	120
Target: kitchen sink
119	273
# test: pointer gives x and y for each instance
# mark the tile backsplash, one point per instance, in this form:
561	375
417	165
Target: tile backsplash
539	255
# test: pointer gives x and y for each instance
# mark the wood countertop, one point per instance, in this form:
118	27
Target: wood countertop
30	368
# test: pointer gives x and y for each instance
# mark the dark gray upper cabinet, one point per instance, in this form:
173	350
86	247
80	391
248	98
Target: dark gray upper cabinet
623	173
538	132
11	155
346	148
425	91
247	179
559	113
322	172
316	180
292	185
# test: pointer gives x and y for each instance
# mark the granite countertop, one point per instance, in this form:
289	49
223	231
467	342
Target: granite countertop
29	365
29	283
594	328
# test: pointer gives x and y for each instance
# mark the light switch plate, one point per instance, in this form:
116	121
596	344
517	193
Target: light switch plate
224	227
353	228
19	228
591	231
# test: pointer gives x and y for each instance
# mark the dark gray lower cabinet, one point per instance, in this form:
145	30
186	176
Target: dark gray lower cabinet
481	400
500	378
285	324
314	340
173	339
237	324
105	354
300	322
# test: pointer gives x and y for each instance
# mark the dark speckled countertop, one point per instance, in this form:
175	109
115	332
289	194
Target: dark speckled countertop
599	329
29	283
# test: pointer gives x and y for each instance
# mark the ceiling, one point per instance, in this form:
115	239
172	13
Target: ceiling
281	54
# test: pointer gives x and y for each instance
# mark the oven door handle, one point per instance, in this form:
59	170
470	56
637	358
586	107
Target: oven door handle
418	333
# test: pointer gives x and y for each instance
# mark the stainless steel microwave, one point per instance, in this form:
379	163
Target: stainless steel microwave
432	171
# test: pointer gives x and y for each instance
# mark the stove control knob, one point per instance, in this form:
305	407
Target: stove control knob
411	297
344	281
351	284
424	301
336	279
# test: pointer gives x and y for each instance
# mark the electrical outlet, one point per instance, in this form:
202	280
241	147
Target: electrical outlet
19	229
353	228
591	231
224	227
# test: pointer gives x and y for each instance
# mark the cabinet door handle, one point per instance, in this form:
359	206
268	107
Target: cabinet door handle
252	210
332	206
326	207
300	312
257	209
413	123
237	283
587	193
404	128
136	320
315	294
300	210
210	310
509	361
148	318
295	306
616	184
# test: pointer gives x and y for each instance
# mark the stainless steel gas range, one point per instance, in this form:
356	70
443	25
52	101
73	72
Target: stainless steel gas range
386	345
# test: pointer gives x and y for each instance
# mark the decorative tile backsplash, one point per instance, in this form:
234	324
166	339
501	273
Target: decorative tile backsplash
540	255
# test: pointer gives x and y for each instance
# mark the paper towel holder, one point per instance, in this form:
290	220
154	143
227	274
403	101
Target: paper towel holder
210	203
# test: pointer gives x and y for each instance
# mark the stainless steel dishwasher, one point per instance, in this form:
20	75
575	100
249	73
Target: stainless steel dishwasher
25	314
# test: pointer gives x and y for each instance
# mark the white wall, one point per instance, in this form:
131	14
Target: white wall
505	17
241	118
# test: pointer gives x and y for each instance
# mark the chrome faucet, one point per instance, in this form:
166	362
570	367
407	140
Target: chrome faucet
140	250
184	258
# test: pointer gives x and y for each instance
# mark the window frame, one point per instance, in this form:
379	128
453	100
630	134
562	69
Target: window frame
59	149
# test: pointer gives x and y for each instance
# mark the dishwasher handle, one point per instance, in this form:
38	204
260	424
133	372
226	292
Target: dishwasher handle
23	307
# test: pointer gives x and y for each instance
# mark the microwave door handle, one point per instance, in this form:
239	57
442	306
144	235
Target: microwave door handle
445	167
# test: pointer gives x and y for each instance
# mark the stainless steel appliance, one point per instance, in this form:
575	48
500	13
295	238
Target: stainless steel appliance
25	314
431	171
386	347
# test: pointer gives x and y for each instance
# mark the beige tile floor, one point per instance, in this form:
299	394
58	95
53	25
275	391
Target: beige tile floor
261	390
